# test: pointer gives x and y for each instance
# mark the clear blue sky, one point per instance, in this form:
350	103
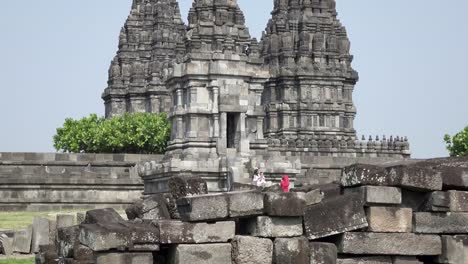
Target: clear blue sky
411	55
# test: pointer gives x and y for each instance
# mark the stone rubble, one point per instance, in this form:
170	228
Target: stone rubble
368	224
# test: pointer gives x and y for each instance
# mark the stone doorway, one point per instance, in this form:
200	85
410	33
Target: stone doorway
232	129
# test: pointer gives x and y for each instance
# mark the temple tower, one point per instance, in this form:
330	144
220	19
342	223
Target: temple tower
310	91
151	39
216	115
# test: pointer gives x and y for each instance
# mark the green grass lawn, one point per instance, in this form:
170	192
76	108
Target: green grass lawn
17	261
19	220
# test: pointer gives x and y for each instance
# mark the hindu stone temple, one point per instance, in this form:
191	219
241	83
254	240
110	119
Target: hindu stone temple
283	104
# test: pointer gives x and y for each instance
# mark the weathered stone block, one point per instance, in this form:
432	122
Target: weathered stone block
291	251
22	240
314	197
67	240
103	216
450	201
404	244
65	220
203	207
334	216
176	232
440	223
243	203
378	195
416	178
202	254
389	219
124	258
101	239
46	255
264	226
365	260
412	177
83	254
328	190
405	260
150	208
453	251
6	245
246	250
323	253
40	234
187	186
285	204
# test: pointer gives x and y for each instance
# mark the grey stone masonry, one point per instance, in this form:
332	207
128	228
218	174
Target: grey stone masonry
177	232
22	240
246	250
323	253
365	260
409	176
440	223
292	251
6	245
203	207
149	42
244	203
335	216
285	204
405	244
453	251
202	254
406	260
389	219
264	226
40	234
125	258
378	195
453	201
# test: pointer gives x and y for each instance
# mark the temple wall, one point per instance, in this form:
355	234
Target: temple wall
55	181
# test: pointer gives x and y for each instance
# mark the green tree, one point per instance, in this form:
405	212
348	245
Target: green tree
141	133
458	144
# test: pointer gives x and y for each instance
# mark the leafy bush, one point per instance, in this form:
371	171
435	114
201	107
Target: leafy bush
458	144
141	133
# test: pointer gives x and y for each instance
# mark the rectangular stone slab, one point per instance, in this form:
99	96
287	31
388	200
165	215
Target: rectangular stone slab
285	204
176	232
404	244
405	260
450	201
323	253
390	219
99	238
208	207
22	240
291	251
264	226
378	195
453	251
124	258
412	177
202	254
365	260
440	223
40	235
245	203
247	250
334	216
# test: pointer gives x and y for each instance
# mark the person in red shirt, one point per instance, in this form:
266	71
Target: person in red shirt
285	183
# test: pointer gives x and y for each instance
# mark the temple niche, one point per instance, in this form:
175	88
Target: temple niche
284	104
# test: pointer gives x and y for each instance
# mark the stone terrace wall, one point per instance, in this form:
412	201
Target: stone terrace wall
399	214
51	181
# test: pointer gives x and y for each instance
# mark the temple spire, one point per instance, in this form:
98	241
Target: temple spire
149	42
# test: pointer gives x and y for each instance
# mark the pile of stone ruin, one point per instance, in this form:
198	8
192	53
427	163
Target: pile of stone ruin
413	212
